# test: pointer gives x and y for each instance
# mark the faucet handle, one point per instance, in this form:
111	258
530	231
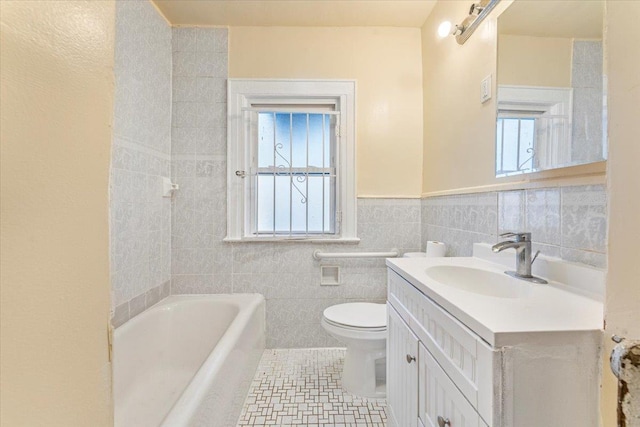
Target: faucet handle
520	235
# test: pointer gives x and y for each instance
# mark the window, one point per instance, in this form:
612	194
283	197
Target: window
516	142
291	160
533	129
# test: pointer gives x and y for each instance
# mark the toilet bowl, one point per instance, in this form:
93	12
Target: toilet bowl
362	328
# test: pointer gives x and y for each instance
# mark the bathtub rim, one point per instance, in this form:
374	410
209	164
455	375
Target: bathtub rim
186	406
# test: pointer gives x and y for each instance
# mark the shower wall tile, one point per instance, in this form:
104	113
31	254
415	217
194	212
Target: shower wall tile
200	262
136	305
201	284
212	40
140	225
184	40
120	315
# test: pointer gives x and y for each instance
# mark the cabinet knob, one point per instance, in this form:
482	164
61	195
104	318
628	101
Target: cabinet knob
410	358
443	422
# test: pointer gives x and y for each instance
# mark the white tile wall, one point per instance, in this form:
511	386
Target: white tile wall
587	83
140	219
201	263
567	222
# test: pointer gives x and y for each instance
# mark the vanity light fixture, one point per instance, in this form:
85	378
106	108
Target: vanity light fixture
477	12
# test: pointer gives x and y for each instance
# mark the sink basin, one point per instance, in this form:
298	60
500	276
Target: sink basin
477	281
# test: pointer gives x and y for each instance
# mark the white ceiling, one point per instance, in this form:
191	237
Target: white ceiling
311	13
557	18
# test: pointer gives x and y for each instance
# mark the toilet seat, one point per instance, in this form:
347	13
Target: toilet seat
361	316
354	328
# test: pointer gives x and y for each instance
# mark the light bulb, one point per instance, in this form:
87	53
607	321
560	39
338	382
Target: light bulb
444	29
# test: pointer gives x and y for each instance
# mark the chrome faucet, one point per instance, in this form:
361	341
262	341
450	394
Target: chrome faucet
522	244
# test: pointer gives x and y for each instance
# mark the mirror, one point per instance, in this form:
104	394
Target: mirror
550	97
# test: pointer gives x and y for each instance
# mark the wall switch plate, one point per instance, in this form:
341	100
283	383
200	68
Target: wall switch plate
485	89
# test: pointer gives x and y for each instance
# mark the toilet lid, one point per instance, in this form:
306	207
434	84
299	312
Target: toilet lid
358	314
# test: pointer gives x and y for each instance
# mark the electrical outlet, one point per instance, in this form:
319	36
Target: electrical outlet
485	89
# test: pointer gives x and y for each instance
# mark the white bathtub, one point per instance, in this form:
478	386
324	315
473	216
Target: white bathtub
188	361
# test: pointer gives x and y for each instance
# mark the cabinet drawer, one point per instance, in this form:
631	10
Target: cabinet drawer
467	360
439	397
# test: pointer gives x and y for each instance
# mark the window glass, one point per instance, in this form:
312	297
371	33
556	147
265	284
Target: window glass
295	182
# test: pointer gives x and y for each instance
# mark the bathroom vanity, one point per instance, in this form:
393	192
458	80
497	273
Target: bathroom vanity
470	346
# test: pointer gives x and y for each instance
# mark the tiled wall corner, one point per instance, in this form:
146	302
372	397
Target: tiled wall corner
140	219
136	305
565	222
201	263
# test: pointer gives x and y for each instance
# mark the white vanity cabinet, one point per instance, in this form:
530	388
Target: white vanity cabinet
441	373
402	356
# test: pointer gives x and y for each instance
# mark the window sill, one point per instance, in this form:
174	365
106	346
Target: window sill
291	240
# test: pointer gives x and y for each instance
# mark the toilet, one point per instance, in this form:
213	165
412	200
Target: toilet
362	328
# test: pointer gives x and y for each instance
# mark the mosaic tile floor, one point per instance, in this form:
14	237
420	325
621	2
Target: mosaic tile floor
302	387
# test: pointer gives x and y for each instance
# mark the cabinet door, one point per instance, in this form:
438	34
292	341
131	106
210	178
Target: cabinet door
440	398
402	372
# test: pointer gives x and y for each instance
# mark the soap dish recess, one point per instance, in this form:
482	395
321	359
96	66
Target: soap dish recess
329	275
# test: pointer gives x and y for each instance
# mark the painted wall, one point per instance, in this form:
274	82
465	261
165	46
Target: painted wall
57	106
140	218
623	283
534	61
459	131
385	62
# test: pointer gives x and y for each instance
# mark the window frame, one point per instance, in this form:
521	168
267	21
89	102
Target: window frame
545	101
243	94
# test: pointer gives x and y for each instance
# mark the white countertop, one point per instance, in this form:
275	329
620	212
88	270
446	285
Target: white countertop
553	307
